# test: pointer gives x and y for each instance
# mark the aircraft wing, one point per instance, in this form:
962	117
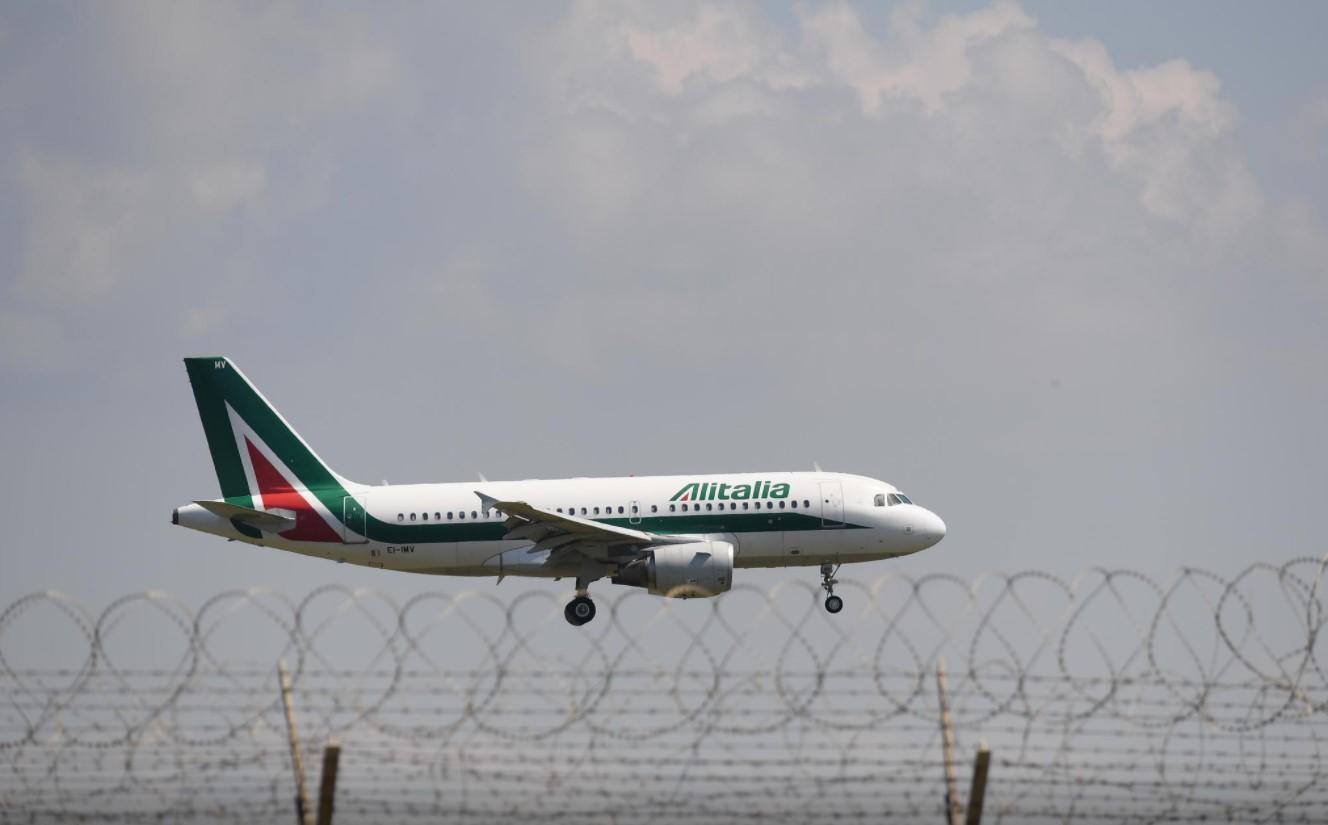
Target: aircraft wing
272	521
561	531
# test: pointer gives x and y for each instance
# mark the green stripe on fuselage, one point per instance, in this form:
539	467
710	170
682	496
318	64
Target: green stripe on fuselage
432	533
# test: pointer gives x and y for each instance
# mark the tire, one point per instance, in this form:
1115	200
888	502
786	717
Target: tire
579	611
834	604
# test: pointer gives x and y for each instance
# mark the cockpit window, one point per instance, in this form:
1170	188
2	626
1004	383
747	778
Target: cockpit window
897	498
880	500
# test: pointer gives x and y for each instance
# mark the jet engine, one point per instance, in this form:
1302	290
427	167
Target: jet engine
696	569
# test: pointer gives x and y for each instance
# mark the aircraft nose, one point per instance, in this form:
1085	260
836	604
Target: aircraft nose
930	528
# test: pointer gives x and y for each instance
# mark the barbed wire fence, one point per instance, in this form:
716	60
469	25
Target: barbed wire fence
1112	697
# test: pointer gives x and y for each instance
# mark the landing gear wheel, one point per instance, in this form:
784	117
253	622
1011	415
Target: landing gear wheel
834	604
579	611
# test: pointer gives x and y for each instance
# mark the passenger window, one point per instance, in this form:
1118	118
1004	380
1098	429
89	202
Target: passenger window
425	515
769	505
806	503
684	508
461	514
597	511
673	508
401	516
412	516
449	515
794	504
634	509
710	506
654	508
437	516
744	505
583	511
781	505
620	509
473	514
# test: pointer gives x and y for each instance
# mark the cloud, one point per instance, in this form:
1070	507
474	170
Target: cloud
639	96
923	64
219	114
928	211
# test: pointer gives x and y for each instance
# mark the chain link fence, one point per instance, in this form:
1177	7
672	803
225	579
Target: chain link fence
1112	697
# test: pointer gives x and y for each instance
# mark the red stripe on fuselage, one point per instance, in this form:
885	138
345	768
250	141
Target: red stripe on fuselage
280	493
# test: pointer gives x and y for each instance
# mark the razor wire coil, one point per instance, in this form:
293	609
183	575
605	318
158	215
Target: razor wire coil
1111	697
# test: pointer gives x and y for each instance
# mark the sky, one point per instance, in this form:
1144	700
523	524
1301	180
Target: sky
1059	271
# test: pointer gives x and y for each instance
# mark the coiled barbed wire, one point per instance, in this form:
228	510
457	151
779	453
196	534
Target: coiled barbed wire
1113	697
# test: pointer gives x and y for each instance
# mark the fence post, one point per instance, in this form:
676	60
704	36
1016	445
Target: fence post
978	791
953	807
297	759
327	789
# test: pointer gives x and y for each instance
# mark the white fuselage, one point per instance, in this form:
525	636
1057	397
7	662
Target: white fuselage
772	520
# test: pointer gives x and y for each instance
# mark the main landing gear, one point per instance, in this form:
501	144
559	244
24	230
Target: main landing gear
833	604
581	609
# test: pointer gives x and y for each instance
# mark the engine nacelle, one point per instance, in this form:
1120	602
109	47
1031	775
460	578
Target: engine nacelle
698	569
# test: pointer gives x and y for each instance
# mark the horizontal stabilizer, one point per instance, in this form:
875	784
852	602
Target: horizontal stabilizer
272	521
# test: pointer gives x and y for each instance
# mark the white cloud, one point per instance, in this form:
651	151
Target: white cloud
717	44
642	103
914	63
991	204
220	95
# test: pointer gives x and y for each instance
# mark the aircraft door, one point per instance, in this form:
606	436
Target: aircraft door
352	521
635	513
832	504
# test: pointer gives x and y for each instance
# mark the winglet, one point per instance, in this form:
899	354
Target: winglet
488	502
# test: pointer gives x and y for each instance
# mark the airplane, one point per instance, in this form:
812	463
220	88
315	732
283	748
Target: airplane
675	536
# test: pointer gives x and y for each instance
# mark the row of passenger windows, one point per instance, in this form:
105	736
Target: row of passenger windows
733	505
437	516
710	506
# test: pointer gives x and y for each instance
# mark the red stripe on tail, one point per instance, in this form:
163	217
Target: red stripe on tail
280	493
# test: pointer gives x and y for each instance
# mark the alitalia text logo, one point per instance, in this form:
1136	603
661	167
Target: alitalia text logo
715	491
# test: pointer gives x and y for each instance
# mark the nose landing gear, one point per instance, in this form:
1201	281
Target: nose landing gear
833	604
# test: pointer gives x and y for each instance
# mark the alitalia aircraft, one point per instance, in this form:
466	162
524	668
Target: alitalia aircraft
676	536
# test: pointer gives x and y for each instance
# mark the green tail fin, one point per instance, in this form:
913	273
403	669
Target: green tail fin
237	418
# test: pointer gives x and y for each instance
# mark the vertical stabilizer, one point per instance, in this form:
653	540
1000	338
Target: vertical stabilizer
253	448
